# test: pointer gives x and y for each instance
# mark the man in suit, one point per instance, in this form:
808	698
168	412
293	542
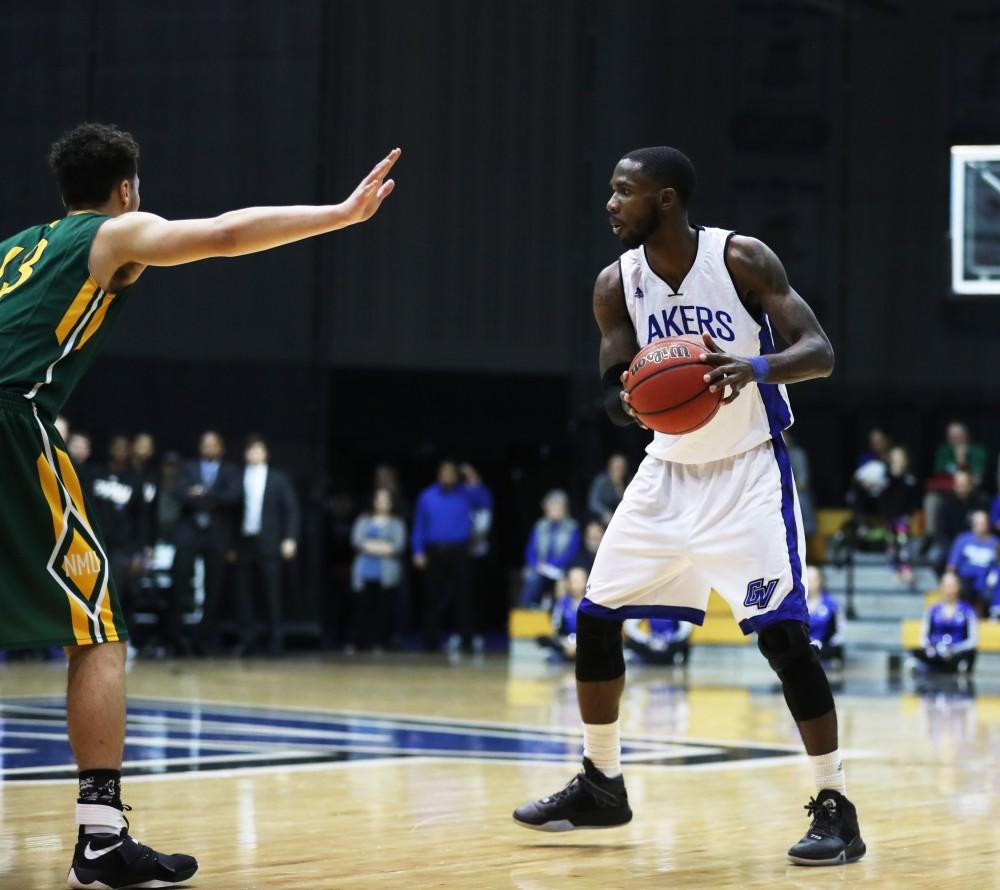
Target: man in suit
269	533
209	491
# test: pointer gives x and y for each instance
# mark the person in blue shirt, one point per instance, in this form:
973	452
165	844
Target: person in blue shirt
552	545
443	526
950	632
659	640
971	556
562	641
824	618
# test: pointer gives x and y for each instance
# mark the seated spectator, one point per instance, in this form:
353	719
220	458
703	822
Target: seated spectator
607	489
879	444
972	555
824	618
870	477
950	631
954	513
659	640
552	544
991	588
897	503
995	514
958	452
593	534
379	539
563	639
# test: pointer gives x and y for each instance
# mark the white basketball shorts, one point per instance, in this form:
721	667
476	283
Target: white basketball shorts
682	530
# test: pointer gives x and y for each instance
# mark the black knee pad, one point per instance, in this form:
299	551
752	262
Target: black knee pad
795	660
599	652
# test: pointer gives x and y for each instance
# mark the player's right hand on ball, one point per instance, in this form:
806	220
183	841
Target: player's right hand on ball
627	405
372	190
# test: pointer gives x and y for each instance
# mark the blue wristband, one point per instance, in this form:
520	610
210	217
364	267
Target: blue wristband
761	368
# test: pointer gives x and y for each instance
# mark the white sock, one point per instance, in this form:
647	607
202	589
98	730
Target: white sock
602	746
99	819
829	772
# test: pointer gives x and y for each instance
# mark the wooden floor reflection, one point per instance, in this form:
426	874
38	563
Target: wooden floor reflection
923	774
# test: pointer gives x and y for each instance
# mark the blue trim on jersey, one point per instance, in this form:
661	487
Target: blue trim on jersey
682	613
793	607
779	414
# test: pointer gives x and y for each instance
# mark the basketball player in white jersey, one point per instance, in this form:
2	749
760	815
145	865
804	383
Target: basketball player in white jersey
712	509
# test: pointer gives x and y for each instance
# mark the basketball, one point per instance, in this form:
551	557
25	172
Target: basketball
667	388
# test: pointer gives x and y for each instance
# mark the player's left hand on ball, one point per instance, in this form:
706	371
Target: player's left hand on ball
372	190
627	405
729	370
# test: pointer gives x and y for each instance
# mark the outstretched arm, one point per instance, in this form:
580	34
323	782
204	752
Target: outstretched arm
618	343
762	284
145	239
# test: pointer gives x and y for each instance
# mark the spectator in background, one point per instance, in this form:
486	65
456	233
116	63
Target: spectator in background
269	533
441	539
991	589
995	514
972	554
659	640
166	502
877	449
117	504
957	452
209	491
552	545
607	489
479	552
79	448
386	477
563	638
954	514
824	618
897	503
950	632
593	534
800	473
379	539
143	454
62	427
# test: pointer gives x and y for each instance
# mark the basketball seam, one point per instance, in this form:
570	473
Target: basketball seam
698	394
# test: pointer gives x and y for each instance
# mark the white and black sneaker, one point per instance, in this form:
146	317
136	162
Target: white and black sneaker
116	861
590	800
834	837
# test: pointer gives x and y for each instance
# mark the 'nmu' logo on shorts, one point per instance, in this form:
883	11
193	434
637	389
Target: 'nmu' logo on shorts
759	593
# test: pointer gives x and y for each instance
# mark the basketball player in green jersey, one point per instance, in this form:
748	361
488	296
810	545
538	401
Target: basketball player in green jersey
61	284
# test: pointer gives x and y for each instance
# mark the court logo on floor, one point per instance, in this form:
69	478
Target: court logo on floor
172	737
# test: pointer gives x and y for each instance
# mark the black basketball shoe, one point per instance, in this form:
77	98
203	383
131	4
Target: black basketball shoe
115	861
590	800
834	836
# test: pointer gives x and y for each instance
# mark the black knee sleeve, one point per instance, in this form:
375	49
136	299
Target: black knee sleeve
599	653
795	660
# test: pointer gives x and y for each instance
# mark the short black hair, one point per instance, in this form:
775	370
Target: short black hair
669	167
255	439
90	160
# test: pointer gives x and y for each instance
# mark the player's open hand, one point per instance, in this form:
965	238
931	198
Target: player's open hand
627	404
372	190
729	370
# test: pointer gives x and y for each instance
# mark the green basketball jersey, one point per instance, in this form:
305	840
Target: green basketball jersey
53	315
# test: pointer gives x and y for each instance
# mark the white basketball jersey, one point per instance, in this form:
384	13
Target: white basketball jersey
707	301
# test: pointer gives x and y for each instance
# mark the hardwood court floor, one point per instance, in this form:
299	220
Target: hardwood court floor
924	777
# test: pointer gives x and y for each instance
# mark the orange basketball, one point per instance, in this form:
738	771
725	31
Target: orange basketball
667	389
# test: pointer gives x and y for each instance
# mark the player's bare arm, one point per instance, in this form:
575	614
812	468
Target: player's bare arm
618	342
762	284
125	245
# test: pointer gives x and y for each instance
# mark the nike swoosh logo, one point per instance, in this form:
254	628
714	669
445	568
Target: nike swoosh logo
90	853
